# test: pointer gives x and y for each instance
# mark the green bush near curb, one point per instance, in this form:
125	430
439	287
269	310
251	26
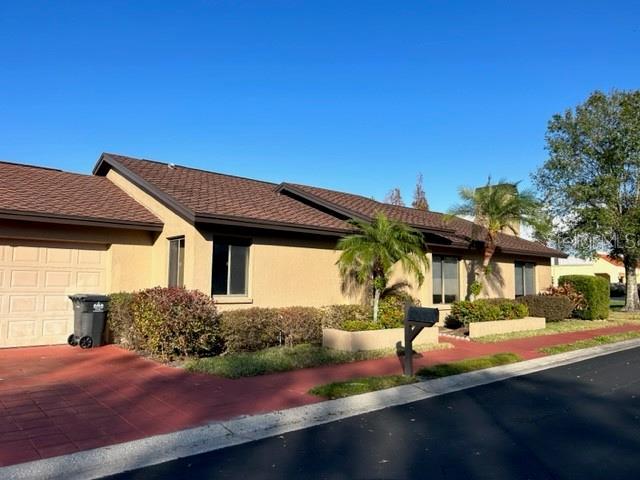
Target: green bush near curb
596	294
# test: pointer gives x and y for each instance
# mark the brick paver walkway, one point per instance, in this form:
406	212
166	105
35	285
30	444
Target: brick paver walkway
59	400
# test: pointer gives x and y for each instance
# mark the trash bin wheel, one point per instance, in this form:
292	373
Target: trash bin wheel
86	342
72	340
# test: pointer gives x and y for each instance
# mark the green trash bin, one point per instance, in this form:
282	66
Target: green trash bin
89	318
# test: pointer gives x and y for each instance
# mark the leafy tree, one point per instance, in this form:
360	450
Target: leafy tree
370	254
591	180
497	207
419	197
394	197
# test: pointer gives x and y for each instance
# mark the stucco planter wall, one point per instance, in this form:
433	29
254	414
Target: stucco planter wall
481	329
373	339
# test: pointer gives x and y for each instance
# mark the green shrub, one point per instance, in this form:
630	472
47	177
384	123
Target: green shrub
119	328
175	321
596	295
300	325
391	309
552	308
250	329
333	316
485	310
358	325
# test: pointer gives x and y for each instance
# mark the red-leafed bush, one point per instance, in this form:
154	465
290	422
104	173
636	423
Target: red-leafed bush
175	322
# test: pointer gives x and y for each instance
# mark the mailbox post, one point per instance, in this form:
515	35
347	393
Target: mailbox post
415	319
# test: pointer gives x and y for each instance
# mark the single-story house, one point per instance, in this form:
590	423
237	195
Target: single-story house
139	223
603	265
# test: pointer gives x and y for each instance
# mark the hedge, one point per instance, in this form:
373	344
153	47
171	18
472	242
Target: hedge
484	310
596	294
170	321
165	322
552	308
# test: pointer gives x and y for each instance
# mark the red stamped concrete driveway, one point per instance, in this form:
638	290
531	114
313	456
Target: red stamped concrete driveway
59	400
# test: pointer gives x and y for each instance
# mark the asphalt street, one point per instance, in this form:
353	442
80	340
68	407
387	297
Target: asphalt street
580	421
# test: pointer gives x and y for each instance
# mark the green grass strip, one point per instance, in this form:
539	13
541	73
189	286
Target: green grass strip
553	328
468	365
284	359
371	384
360	385
589	342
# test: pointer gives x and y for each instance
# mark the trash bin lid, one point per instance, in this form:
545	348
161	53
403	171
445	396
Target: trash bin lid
89	297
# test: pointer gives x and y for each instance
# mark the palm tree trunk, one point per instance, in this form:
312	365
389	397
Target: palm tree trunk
632	303
376	302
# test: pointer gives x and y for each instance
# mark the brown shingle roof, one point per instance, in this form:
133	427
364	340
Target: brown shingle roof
41	193
212	195
456	230
203	195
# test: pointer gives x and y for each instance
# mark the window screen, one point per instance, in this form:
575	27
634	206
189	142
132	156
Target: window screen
176	262
230	266
444	272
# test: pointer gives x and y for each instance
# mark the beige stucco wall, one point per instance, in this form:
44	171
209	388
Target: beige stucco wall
198	245
597	267
128	251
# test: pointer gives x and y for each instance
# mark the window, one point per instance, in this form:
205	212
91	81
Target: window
176	262
445	279
525	279
230	267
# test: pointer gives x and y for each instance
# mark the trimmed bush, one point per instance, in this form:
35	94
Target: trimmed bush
251	329
552	308
333	316
119	328
175	321
485	310
391	309
596	295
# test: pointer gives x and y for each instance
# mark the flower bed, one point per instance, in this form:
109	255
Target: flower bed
481	329
372	339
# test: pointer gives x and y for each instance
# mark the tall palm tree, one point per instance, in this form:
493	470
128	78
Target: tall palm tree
369	255
499	207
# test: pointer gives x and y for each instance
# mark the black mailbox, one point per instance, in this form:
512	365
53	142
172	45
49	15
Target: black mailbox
427	317
415	319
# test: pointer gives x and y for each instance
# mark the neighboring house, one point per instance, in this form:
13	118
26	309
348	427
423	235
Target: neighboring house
612	269
137	223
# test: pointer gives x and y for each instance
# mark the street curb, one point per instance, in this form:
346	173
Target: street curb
149	451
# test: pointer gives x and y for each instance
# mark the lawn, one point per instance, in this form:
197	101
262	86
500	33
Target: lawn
553	328
468	365
360	385
370	384
590	342
283	359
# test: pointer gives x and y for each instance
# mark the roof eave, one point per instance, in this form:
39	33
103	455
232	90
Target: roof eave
78	220
267	225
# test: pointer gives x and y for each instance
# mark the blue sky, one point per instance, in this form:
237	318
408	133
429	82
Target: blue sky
356	96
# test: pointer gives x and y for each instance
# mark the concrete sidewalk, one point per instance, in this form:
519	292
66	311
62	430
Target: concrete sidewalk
59	400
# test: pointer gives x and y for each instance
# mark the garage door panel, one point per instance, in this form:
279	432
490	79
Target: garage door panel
35	281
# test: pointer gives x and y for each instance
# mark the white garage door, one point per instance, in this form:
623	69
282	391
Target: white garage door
35	279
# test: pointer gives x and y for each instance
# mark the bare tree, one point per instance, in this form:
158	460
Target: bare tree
394	197
419	197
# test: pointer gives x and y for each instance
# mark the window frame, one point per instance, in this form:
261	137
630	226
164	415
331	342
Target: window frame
521	264
230	243
179	280
443	293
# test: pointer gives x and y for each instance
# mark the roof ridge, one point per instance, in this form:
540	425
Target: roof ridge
137	159
27	165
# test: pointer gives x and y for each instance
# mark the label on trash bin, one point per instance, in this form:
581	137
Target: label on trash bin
98	307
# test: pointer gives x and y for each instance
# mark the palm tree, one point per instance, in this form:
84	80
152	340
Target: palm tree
499	208
369	255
